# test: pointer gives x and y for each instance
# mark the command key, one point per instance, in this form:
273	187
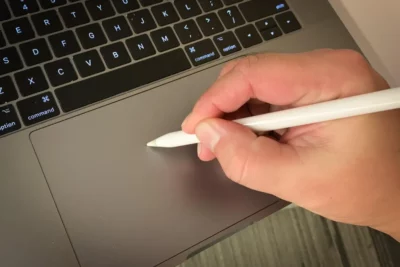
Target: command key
38	108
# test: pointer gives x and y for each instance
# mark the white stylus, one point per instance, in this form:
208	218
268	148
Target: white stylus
325	111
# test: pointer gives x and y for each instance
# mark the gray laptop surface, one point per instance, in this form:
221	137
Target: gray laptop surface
84	85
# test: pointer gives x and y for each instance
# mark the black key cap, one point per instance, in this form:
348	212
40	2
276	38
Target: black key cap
18	30
91	36
64	43
7	90
187	31
258	9
164	39
9	121
38	108
231	17
117	28
124	6
141	21
47	22
115	55
150	2
165	14
288	22
209	5
210	24
9	60
227	43
248	36
74	15
60	72
140	47
46	4
271	33
2	40
266	24
89	63
231	2
31	81
35	52
187	8
4	12
202	52
103	86
100	9
23	7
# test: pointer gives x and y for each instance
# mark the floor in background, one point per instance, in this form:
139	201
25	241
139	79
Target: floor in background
296	237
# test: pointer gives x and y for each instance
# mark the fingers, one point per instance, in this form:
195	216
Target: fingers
284	80
259	163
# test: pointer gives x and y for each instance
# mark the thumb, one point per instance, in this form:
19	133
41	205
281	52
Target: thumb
257	162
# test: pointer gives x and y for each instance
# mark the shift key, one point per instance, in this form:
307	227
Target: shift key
38	108
9	121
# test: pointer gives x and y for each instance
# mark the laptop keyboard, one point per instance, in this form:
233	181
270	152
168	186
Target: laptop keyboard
54	54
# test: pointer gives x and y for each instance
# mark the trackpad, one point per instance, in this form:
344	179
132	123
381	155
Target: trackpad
124	204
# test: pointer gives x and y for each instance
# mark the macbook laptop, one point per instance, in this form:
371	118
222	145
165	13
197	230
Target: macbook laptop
84	85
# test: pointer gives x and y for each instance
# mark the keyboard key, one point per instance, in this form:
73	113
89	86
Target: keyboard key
115	55
165	14
103	86
141	21
18	30
9	121
209	5
248	36
164	39
2	40
46	4
91	36
227	43
117	28
64	43
23	7
210	24
47	22
4	12
258	9
60	72
231	2
231	17
7	90
100	9
149	2
124	6
38	108
271	33
9	60
266	24
187	31
74	15
288	22
31	81
202	52
35	52
140	47
89	63
187	8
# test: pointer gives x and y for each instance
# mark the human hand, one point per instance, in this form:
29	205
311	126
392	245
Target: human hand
347	170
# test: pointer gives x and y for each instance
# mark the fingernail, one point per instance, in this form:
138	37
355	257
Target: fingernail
208	134
198	150
185	121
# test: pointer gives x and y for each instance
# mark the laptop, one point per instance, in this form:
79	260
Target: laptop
84	85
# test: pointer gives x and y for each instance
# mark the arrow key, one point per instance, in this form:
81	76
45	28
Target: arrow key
248	36
187	31
270	34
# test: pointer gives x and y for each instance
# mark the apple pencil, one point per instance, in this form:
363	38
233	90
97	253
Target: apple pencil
325	111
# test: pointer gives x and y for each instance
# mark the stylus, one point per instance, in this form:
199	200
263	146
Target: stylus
325	111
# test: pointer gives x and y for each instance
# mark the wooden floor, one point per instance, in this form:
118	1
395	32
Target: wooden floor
296	237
